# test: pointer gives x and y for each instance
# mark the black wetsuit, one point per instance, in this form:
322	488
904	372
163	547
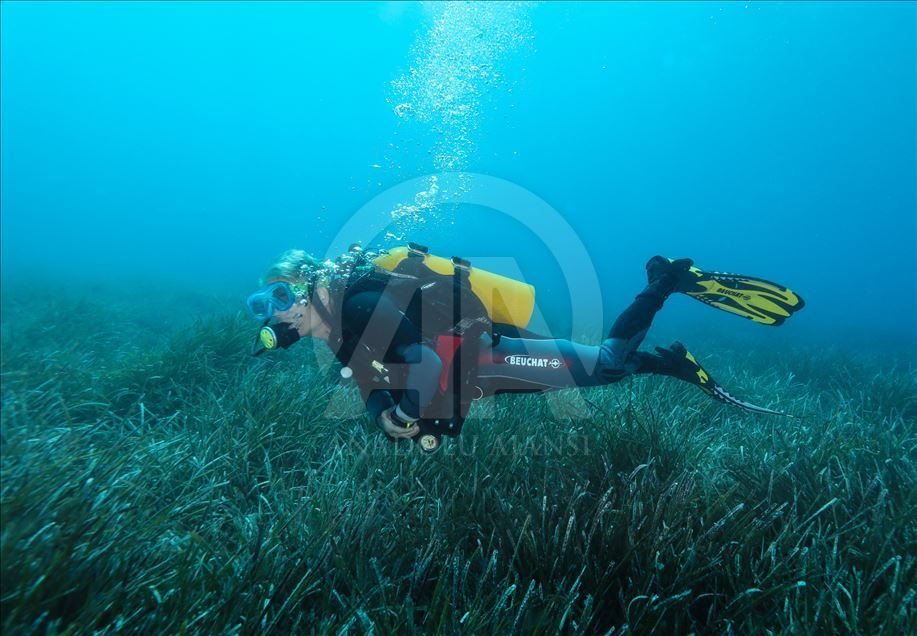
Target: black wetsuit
409	371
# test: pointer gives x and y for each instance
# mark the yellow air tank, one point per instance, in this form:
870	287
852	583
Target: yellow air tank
507	301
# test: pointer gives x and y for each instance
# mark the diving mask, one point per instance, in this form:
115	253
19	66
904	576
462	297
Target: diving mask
279	296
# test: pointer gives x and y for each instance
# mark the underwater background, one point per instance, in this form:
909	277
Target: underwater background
156	157
191	143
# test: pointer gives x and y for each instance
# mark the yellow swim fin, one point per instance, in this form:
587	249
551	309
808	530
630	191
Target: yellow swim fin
684	366
754	298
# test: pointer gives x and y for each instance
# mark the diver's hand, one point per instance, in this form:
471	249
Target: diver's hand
393	429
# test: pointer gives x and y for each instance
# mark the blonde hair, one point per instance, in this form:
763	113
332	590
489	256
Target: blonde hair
306	273
293	265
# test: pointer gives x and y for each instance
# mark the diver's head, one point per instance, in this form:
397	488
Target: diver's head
294	297
299	312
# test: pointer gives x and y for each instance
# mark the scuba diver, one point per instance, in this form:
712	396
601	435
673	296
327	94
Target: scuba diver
424	337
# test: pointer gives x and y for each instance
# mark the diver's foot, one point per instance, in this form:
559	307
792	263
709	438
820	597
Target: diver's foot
681	364
668	275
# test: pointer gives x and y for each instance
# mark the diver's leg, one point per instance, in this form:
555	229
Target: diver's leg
674	361
525	365
617	351
522	365
530	365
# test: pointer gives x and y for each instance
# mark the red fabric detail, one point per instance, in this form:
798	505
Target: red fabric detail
446	347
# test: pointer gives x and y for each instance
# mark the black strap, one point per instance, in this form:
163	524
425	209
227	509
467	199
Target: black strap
257	348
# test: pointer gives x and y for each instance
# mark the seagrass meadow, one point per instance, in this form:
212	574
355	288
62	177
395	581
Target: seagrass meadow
156	479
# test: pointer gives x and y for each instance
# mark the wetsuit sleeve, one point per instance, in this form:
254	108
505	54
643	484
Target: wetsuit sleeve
377	402
422	383
381	323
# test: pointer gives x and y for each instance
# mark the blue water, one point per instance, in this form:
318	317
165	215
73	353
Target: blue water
191	143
